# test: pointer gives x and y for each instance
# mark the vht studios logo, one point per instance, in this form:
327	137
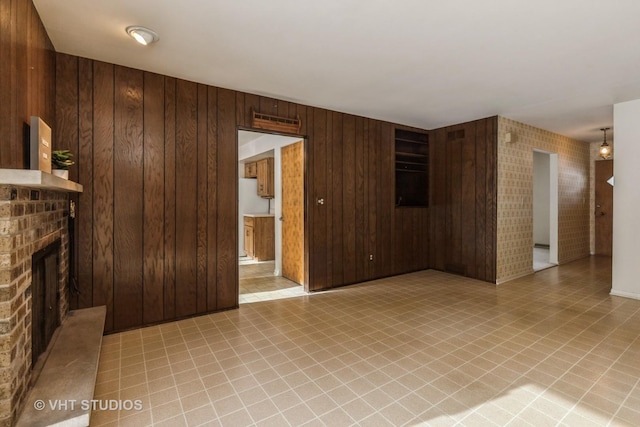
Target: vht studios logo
85	405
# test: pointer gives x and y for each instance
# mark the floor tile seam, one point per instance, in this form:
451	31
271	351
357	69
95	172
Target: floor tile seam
169	367
431	406
574	364
546	335
610	368
603	340
637	384
486	422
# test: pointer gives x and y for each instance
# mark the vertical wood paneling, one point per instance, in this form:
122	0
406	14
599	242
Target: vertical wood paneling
84	163
329	171
27	79
212	198
19	102
170	198
480	200
268	105
372	194
103	146
6	89
349	197
491	201
359	199
227	218
337	183
128	197
455	203
437	200
463	200
318	279
182	192
468	200
203	201
251	103
67	130
399	244
386	197
153	183
186	197
310	285
242	118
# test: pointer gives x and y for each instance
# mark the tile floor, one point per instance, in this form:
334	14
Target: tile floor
257	283
427	348
541	259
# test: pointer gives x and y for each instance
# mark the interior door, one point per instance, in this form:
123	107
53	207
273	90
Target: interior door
293	212
604	207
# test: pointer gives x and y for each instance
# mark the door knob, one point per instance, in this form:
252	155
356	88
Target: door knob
320	201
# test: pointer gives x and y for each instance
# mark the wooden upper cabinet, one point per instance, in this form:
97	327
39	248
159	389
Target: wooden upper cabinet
265	178
251	170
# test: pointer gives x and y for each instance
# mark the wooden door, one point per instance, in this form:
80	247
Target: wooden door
293	212
604	207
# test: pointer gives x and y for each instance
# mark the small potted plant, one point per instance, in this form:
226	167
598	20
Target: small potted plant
61	160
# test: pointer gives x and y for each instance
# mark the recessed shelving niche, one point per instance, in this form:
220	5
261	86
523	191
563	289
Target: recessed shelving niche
412	168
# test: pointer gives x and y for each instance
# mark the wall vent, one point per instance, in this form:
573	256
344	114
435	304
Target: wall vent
275	123
455	134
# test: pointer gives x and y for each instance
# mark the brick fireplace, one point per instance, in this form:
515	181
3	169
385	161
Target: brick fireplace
31	219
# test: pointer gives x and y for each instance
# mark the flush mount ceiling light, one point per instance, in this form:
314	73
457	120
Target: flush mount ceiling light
143	35
605	150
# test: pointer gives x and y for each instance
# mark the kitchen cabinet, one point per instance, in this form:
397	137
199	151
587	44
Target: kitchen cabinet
259	237
265	178
251	170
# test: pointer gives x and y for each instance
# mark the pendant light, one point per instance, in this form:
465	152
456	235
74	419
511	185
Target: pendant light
605	150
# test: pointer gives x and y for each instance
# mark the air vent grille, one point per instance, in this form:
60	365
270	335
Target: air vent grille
275	123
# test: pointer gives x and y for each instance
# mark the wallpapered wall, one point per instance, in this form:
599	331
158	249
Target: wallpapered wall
515	197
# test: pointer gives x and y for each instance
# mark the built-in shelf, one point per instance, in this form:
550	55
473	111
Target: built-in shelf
38	179
412	168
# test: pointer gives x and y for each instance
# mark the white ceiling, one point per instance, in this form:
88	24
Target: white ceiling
555	64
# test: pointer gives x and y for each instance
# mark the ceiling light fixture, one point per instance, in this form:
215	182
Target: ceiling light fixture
605	150
143	35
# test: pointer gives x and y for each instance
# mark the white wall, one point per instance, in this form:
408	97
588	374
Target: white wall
541	186
626	200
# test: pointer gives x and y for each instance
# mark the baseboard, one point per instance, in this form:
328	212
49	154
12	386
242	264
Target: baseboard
631	295
514	277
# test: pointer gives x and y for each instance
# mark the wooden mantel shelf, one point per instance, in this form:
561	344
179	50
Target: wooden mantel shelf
37	179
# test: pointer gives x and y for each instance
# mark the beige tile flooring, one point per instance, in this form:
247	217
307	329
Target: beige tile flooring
426	348
257	283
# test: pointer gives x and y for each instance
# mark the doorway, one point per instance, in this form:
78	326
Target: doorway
263	254
604	207
545	210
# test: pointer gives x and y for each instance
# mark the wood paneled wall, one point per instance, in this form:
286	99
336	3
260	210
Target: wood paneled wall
464	199
156	228
27	79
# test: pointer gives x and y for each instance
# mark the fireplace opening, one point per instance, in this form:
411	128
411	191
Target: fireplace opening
45	297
